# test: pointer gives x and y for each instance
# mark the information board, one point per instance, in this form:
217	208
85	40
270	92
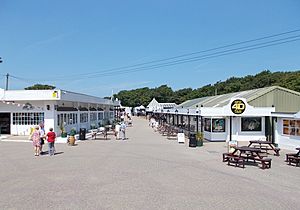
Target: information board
180	138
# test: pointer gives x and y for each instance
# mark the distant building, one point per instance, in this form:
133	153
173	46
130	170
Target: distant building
155	105
20	110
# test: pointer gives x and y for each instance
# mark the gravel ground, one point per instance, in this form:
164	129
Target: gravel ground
147	171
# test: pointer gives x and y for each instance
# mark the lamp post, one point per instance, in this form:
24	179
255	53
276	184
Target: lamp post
176	112
201	120
162	116
197	119
189	120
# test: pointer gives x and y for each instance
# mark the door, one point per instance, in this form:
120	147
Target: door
5	123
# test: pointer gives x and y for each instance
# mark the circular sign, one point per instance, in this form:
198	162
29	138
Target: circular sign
238	106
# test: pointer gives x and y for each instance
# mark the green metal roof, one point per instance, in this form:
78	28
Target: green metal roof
249	95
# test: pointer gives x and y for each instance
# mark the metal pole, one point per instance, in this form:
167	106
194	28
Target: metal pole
197	122
230	128
201	128
7	75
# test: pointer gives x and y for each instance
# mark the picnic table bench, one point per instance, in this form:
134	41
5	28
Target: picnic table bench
265	146
246	154
293	158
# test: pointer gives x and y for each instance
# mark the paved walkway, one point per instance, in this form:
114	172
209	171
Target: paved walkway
145	172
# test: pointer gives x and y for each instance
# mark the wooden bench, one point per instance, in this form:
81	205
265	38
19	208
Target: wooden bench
294	159
265	163
290	155
277	151
226	155
236	160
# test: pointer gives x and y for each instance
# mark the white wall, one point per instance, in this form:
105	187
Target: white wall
285	141
38	106
237	133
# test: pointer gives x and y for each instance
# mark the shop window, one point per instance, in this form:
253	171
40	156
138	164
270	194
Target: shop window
207	124
218	125
32	118
83	117
100	116
291	127
251	124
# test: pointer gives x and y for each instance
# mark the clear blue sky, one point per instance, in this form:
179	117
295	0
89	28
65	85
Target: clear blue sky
43	39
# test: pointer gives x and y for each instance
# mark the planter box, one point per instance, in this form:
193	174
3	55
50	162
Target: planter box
199	143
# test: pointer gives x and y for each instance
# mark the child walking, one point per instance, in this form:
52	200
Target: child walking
51	139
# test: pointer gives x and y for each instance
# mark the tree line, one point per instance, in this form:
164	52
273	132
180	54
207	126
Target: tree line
165	94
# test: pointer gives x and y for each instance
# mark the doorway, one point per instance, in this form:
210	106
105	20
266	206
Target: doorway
5	123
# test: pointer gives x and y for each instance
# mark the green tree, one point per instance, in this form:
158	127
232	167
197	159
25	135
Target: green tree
40	87
163	93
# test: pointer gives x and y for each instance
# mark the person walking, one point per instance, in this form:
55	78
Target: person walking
122	130
35	137
42	137
117	131
51	139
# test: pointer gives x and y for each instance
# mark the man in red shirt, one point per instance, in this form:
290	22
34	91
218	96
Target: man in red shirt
51	139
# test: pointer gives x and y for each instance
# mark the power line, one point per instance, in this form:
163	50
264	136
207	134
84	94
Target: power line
143	66
211	55
198	58
175	57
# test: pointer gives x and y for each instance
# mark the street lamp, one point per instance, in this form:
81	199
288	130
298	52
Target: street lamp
189	120
176	112
168	114
197	119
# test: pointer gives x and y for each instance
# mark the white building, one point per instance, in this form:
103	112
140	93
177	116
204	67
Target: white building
21	110
268	113
155	105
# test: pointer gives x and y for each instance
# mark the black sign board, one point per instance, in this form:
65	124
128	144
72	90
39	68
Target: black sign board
238	106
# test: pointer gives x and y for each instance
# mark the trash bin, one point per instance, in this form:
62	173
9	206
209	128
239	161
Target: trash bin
82	132
192	140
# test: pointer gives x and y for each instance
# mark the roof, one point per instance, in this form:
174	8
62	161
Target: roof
222	100
51	95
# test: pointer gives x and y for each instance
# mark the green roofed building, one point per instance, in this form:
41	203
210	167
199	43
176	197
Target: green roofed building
283	99
271	113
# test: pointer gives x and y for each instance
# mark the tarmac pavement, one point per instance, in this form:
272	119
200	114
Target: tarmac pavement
147	171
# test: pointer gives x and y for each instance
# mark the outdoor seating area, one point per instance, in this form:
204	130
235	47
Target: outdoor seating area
168	130
256	153
247	154
103	132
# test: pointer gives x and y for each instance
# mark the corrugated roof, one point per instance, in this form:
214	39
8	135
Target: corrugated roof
222	100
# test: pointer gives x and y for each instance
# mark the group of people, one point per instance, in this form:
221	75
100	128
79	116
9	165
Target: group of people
39	137
120	130
153	123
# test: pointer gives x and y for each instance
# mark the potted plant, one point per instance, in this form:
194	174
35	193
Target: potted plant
199	137
63	132
72	137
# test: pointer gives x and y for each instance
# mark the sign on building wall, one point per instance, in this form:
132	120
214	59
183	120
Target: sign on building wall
55	94
238	106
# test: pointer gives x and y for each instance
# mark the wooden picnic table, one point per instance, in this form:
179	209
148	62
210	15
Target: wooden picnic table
248	153
265	146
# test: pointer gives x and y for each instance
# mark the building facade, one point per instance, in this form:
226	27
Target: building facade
21	110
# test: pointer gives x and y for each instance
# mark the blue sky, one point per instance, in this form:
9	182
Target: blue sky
51	42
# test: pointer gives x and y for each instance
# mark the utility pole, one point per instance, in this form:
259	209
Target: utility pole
7	75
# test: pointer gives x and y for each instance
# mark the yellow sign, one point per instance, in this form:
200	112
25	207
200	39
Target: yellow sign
238	106
55	94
